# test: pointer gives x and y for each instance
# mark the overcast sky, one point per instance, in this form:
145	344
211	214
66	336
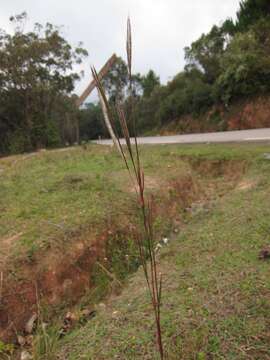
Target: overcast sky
160	28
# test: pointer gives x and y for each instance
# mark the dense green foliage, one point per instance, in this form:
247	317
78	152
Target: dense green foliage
250	12
36	80
91	122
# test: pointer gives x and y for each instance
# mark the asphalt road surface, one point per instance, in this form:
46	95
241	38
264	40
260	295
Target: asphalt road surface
256	135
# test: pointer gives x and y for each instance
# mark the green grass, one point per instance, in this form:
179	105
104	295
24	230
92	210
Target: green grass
52	193
216	291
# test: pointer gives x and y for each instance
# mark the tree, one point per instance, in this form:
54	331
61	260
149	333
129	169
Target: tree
250	12
35	75
206	52
246	64
115	82
149	82
91	122
146	110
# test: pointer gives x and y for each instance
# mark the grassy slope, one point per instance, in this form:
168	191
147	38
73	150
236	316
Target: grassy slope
216	295
54	188
51	195
214	286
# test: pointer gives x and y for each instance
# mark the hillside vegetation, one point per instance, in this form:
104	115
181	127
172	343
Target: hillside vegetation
227	74
246	113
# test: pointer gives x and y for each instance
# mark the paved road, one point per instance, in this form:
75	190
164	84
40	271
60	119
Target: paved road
256	135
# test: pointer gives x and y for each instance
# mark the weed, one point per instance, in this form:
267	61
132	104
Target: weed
45	342
132	161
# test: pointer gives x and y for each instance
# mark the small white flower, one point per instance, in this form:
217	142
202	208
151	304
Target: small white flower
165	240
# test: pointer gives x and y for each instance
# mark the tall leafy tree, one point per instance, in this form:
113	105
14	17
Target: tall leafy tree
206	52
250	12
115	82
35	75
149	82
246	64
